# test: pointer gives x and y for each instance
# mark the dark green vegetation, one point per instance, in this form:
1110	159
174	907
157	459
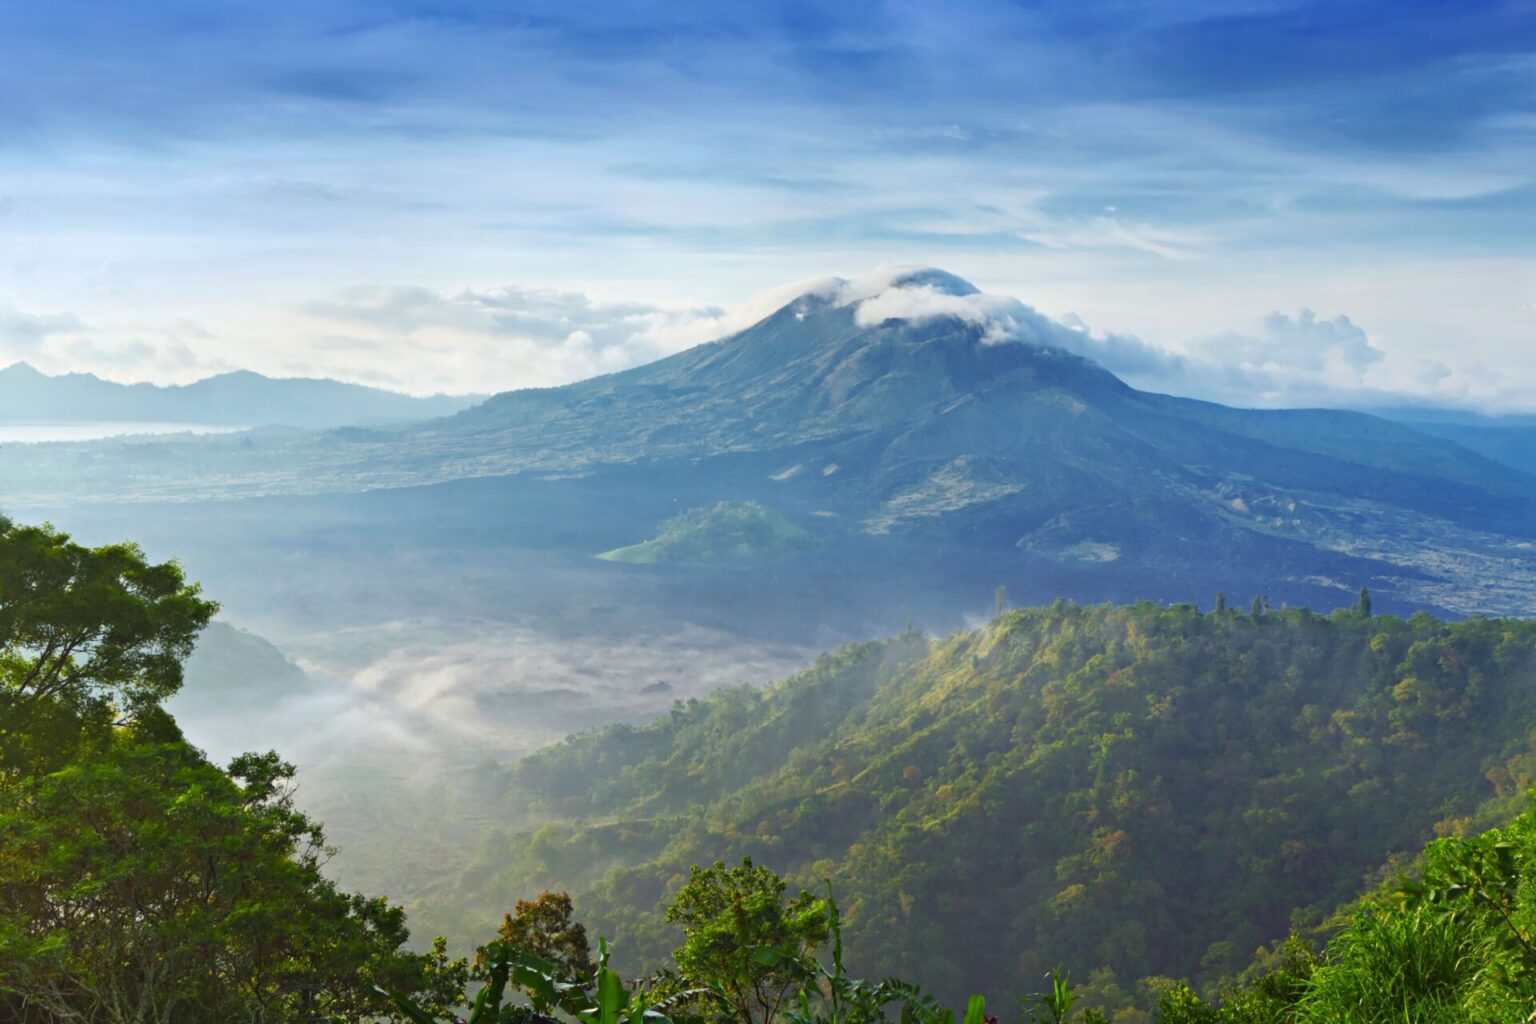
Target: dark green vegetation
1132	792
728	533
138	881
1453	941
1513	444
749	956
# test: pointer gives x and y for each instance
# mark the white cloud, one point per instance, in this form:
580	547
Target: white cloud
60	343
1337	347
1288	360
923	293
491	339
23	335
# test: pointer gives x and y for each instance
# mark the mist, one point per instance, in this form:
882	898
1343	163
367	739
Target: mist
399	729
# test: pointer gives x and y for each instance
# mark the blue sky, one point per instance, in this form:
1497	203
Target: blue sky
484	195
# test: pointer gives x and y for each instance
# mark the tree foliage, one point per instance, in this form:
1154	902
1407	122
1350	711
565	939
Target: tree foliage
730	916
139	882
544	926
85	634
1128	792
146	884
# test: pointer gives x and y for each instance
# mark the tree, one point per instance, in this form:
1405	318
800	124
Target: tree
738	930
544	927
1259	604
145	884
1180	1004
1221	603
1364	605
1000	600
90	626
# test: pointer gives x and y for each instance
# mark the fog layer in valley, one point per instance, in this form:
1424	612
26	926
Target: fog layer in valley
398	727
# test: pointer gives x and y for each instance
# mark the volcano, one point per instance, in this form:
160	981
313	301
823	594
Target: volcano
911	420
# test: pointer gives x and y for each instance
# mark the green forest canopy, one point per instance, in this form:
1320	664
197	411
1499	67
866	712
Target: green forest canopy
1129	791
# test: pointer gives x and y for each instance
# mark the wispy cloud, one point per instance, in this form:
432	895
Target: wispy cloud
233	163
23	335
509	337
1283	360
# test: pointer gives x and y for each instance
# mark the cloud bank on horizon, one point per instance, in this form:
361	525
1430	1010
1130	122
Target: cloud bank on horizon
445	195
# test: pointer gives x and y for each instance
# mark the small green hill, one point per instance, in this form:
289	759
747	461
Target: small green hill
235	671
1127	791
727	533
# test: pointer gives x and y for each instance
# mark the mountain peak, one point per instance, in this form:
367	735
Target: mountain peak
844	291
918	294
932	277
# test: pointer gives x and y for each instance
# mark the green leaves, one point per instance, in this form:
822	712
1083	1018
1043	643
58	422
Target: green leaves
1055	1004
81	624
601	998
611	995
144	876
742	939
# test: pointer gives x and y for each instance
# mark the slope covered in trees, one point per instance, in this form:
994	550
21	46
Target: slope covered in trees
1451	940
1130	791
1139	793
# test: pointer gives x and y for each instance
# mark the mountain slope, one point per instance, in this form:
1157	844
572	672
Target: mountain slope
921	420
241	399
1149	790
1513	445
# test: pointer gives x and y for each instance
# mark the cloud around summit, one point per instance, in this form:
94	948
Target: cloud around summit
1285	360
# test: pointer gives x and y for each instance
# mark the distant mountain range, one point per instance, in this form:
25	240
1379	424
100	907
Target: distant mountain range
240	399
923	427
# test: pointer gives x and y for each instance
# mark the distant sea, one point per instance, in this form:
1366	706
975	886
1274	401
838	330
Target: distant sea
35	432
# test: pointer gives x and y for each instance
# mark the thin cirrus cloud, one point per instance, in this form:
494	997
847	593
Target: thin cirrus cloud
510	337
238	162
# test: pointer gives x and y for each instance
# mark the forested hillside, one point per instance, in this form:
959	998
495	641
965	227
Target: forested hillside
1128	791
1140	795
